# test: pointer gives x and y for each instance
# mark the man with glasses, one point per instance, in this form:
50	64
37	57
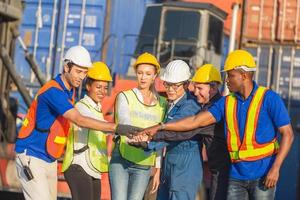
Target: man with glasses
182	168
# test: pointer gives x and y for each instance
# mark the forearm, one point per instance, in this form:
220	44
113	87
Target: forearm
86	122
190	123
91	123
179	136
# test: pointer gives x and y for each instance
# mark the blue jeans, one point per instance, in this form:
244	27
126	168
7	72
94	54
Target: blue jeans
128	181
252	190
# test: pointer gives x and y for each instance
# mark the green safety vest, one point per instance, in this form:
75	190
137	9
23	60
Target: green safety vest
143	116
96	145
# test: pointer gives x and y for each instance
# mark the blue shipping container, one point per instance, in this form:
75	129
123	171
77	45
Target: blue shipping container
50	27
126	21
277	70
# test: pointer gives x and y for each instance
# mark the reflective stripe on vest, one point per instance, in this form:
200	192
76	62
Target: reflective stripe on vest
249	149
58	131
143	116
96	142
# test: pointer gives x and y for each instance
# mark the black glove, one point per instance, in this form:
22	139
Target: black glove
142	145
127	130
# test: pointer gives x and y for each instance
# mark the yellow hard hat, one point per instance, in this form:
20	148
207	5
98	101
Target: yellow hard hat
240	59
147	58
99	72
207	73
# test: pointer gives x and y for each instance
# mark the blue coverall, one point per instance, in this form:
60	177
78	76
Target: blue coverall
182	167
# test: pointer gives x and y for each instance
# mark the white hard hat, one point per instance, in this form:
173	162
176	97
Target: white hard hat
176	71
79	56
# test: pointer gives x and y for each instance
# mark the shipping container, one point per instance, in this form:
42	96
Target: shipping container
279	69
259	23
126	21
271	21
288	21
50	27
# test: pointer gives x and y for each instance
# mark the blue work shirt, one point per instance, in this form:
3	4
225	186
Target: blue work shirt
273	115
50	105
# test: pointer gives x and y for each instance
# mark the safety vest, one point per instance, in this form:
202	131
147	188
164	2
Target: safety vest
96	144
143	116
248	149
58	131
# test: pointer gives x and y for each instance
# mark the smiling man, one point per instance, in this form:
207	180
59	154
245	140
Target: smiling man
253	117
42	138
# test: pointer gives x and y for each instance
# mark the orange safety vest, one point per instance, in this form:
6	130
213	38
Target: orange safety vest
59	130
249	149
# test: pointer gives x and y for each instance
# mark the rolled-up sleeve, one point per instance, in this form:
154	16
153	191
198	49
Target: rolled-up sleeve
218	109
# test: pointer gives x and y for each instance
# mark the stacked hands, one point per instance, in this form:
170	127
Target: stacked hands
137	137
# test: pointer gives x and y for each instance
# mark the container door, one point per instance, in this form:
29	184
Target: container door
38	31
50	27
80	23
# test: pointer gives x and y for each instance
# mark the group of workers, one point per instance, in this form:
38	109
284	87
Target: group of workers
156	136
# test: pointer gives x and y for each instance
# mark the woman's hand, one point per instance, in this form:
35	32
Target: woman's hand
156	180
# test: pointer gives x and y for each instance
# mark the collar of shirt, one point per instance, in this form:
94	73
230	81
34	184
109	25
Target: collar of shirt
140	96
171	104
211	101
61	83
91	102
240	98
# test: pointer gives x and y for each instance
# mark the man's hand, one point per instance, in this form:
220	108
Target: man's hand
150	131
139	141
272	177
141	138
127	130
142	145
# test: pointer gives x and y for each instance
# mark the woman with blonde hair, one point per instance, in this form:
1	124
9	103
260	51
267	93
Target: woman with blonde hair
130	167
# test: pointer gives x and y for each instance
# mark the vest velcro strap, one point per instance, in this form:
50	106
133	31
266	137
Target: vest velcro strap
268	149
60	140
253	154
234	155
81	150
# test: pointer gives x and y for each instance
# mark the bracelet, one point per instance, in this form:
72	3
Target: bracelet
162	126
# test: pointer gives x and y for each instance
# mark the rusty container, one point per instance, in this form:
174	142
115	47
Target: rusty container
288	21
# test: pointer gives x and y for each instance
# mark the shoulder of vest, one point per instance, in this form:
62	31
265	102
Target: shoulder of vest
263	88
130	94
82	101
161	98
126	93
162	101
231	94
48	85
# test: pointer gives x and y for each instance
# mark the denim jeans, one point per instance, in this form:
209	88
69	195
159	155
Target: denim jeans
128	181
252	190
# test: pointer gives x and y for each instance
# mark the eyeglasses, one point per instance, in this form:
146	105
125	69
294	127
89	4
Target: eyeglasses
174	86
